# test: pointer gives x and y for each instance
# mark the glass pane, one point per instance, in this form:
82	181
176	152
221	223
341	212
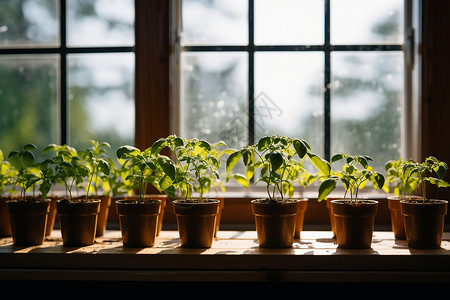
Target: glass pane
29	101
100	23
219	22
366	105
101	105
368	21
290	22
289	96
214	97
29	23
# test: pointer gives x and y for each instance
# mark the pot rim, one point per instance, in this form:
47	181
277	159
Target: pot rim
206	201
137	202
33	200
286	201
428	202
359	202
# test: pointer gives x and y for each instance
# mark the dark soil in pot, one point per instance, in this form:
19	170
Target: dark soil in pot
354	223
78	221
424	222
138	221
275	222
28	221
196	222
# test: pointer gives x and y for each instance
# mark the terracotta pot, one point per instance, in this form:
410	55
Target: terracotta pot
424	223
219	214
302	205
138	222
163	199
275	222
5	223
196	222
330	213
51	215
354	223
105	203
398	226
28	221
78	221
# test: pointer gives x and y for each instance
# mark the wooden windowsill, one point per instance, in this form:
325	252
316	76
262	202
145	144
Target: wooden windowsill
234	256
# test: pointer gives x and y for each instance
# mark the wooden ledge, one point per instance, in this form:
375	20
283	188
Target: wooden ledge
234	256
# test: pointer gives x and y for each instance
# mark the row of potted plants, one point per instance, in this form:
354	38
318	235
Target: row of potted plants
187	177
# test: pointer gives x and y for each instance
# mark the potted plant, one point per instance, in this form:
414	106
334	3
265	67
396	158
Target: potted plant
354	218
7	174
92	156
195	170
275	216
77	215
28	215
139	216
424	218
403	187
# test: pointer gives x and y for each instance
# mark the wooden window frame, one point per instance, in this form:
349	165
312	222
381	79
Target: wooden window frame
428	103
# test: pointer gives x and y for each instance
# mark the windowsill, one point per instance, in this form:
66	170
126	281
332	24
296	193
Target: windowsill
234	256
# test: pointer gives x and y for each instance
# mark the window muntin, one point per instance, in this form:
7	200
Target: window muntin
382	34
27	56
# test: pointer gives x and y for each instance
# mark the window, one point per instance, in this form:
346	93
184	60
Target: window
67	72
330	71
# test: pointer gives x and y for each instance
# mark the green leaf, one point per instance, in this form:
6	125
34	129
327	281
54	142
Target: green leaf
321	164
241	179
264	142
337	157
104	166
300	148
29	147
276	160
169	169
205	145
437	182
326	187
124	150
158	146
440	170
379	179
232	160
250	171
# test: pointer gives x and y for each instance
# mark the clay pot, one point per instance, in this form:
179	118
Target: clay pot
424	222
219	214
28	221
196	222
302	205
275	222
354	223
330	213
78	221
398	226
5	223
51	215
105	203
163	199
138	222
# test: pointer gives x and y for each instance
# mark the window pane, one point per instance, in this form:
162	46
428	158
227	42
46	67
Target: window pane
29	23
366	21
101	104
289	22
289	96
366	110
214	97
28	101
219	22
100	23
